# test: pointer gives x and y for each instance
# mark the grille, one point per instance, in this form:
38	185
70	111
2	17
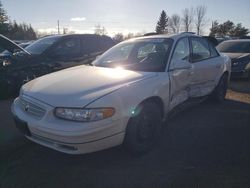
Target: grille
31	108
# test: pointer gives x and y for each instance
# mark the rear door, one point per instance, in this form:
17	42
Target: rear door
207	65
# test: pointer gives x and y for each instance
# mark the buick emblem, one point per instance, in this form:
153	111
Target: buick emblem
26	108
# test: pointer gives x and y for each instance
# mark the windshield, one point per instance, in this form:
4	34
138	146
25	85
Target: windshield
234	47
39	46
142	54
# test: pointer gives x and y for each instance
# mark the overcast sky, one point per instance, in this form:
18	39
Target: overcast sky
117	15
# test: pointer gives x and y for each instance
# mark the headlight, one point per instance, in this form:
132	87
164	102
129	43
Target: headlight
84	115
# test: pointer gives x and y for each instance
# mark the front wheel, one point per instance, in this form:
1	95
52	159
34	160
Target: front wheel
144	129
220	90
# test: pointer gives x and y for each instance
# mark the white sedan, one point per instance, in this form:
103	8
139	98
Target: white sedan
123	97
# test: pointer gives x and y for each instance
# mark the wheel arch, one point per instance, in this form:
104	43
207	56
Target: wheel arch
156	100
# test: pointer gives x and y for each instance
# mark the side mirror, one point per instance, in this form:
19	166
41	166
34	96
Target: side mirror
180	65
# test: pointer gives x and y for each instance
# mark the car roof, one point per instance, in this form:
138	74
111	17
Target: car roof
238	40
174	36
70	35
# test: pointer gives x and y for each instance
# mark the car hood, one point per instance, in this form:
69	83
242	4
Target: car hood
79	86
238	56
9	45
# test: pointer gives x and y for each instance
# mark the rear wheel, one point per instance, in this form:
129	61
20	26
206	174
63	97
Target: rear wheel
143	129
220	91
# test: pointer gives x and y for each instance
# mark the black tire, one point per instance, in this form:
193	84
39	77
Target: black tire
144	129
220	90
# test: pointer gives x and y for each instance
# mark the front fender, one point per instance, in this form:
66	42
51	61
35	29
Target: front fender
126	99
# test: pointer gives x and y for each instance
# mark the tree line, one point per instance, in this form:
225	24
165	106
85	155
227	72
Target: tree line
14	30
194	19
191	19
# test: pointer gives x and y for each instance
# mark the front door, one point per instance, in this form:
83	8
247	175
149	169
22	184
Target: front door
181	73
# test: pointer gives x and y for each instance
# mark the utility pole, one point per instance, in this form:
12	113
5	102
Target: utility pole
58	26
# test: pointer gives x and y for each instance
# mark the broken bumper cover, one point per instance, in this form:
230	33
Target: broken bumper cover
79	148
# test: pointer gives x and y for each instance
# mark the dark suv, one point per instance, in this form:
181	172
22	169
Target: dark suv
46	55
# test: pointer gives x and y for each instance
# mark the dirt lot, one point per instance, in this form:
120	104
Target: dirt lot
205	146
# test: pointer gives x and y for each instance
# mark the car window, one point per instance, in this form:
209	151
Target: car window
68	47
145	50
200	49
90	44
143	55
234	47
93	45
121	54
181	51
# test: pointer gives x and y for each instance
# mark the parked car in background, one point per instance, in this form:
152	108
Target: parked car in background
239	52
124	97
46	55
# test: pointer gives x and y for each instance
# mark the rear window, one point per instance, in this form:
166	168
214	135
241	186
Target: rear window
234	47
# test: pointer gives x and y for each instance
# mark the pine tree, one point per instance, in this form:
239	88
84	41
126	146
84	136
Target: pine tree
228	28
162	24
3	20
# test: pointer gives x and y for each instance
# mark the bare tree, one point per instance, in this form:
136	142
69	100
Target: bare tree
200	20
175	22
188	17
99	30
119	37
